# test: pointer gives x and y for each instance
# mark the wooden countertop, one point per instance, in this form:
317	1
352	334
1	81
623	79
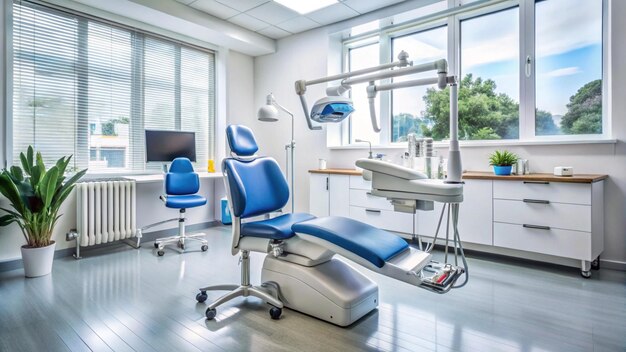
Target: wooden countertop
349	172
539	177
487	175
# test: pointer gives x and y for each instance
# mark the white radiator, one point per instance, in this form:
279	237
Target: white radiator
105	211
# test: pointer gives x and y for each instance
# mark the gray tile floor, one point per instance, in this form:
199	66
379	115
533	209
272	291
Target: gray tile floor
131	300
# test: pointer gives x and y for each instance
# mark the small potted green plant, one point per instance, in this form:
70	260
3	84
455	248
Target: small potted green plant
502	162
36	195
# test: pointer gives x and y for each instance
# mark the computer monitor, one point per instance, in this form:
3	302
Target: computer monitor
165	146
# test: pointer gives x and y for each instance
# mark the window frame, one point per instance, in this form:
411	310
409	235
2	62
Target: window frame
138	33
452	17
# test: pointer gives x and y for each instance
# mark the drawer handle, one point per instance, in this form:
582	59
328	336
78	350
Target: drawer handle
537	227
373	211
536	201
536	182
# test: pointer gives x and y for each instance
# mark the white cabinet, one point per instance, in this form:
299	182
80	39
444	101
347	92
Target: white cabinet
560	219
475	224
319	197
329	195
376	211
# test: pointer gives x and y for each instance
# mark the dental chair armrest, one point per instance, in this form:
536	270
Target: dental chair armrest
391	169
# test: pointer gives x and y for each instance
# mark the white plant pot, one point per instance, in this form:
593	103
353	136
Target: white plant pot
38	261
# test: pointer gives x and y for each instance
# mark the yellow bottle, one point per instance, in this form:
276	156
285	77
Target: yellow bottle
211	167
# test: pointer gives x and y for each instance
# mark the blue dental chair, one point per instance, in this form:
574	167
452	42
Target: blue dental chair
181	187
300	270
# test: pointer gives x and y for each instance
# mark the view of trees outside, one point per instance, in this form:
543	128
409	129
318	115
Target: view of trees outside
568	77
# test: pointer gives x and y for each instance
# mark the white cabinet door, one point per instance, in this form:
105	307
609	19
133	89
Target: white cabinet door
475	215
339	187
319	200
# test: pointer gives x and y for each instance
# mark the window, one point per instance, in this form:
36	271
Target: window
408	108
360	120
409	105
489	78
528	70
89	88
568	51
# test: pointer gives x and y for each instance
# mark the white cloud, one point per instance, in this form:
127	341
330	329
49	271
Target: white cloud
566	71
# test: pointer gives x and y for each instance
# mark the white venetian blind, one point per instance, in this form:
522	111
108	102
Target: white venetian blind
90	88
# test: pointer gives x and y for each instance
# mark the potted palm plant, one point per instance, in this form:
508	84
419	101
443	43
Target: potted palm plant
502	162
35	195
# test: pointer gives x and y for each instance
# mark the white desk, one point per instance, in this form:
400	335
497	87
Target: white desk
159	177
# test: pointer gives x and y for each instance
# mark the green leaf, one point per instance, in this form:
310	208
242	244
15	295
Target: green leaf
47	187
25	164
35	175
7	220
29	156
17	174
65	191
9	190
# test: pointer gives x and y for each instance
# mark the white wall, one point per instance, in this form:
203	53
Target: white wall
304	56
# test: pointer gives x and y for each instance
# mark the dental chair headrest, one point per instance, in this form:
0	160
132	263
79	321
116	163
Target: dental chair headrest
241	140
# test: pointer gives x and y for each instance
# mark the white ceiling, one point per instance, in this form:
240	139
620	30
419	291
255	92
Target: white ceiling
276	21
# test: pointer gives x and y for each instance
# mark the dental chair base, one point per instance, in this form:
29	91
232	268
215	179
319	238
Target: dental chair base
332	291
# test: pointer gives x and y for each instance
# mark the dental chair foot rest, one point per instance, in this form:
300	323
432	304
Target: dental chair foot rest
332	291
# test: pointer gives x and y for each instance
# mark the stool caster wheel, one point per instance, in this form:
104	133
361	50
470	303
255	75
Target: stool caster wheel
275	313
204	248
585	274
160	253
156	245
181	246
210	313
201	297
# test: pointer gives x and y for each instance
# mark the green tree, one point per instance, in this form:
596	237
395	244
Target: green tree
483	113
405	123
584	110
544	124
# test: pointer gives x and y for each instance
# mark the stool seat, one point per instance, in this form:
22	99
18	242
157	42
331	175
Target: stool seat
184	201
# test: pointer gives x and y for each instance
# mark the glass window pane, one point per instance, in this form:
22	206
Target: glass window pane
360	122
568	67
408	108
489	89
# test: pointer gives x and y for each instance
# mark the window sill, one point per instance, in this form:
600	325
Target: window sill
485	144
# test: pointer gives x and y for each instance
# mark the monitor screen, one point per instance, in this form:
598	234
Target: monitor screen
165	146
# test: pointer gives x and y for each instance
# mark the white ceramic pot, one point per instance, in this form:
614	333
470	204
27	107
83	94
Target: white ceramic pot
38	261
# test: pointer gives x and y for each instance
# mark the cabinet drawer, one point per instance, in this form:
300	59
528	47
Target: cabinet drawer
574	193
358	182
362	198
562	243
559	215
384	219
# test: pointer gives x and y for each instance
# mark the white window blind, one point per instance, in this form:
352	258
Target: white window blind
90	88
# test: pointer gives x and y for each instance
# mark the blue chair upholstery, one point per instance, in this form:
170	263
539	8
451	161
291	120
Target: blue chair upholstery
257	186
241	140
181	186
371	243
278	228
185	201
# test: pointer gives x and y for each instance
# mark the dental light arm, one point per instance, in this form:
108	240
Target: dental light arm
335	107
336	92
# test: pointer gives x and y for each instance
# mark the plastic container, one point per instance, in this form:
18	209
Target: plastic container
226	217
